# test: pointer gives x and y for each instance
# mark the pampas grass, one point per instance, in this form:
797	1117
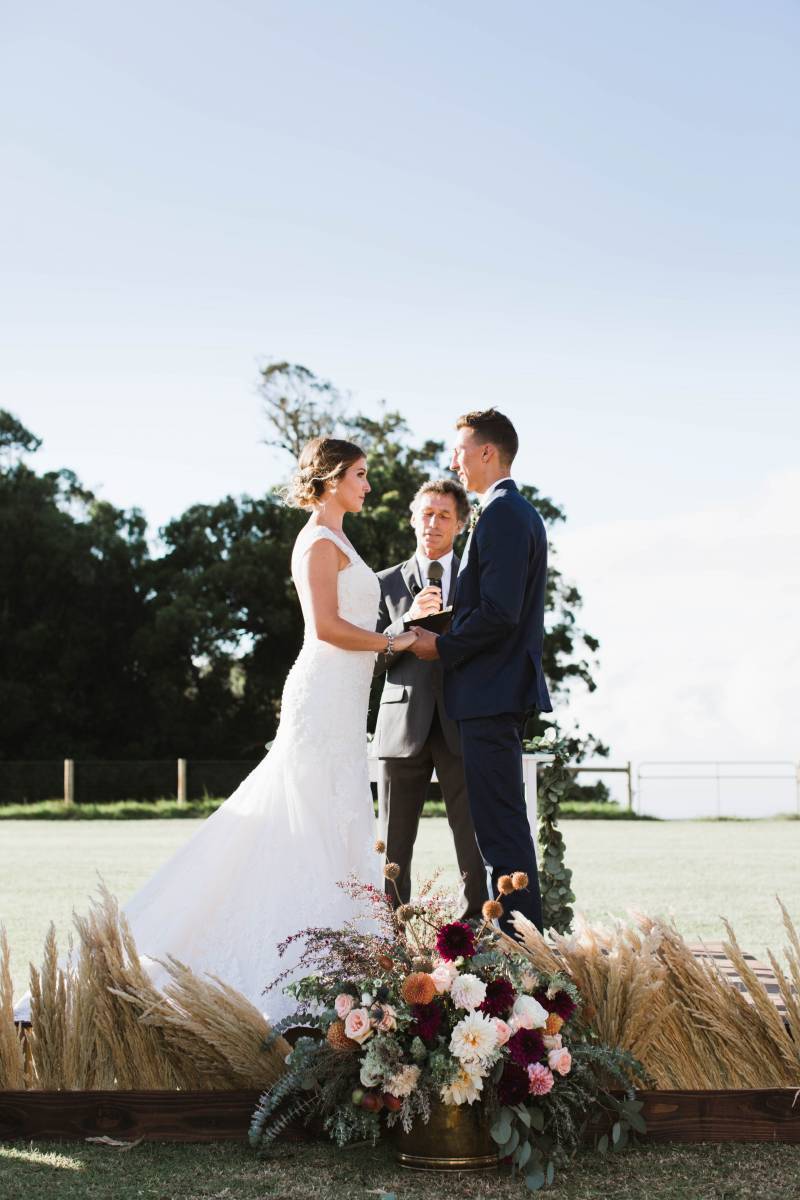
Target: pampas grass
98	1022
12	1056
690	1027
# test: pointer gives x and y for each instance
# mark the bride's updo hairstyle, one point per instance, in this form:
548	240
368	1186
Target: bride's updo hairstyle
322	461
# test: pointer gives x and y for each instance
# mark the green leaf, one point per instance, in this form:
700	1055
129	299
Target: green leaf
623	1139
535	1179
501	1131
629	1111
550	1173
602	1145
615	1132
537	1119
511	1145
523	1154
523	1115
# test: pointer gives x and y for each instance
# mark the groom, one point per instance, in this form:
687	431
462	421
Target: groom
492	656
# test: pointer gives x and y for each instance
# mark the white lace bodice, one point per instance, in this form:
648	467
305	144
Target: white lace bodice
358	589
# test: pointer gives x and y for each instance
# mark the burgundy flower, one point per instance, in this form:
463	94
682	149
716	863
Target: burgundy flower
500	996
427	1021
514	1084
562	1003
455	940
526	1046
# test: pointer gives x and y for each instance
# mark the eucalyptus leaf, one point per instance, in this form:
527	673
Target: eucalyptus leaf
615	1132
550	1173
523	1115
523	1154
501	1131
535	1179
602	1144
511	1145
537	1119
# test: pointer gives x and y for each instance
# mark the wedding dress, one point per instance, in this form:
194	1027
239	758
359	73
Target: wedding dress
265	865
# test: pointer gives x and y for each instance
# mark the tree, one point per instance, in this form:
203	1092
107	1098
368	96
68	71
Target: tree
15	439
71	604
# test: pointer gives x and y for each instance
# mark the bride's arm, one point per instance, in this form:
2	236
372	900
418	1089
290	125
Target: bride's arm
321	567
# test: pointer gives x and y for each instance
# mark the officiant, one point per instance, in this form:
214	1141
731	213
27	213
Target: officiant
414	735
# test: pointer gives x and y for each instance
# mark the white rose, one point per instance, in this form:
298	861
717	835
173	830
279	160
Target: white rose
550	734
528	1013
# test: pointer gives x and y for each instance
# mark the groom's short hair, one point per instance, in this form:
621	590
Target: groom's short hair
490	425
444	487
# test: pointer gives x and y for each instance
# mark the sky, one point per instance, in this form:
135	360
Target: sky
586	215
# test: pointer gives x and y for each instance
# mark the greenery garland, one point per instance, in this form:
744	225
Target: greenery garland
554	780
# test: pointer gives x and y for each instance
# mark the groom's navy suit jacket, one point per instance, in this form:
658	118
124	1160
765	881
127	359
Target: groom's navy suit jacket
492	654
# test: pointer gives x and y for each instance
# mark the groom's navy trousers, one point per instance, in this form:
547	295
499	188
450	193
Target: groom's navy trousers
493	677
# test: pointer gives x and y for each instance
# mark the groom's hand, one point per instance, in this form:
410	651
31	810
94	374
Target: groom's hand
425	645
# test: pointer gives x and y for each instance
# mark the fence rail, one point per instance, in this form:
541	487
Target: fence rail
84	781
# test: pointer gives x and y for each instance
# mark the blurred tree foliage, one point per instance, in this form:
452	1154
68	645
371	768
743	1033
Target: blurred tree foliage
109	651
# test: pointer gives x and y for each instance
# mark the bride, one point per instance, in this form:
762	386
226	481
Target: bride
266	863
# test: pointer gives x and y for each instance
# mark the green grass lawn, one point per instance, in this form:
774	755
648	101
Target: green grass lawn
696	870
228	1171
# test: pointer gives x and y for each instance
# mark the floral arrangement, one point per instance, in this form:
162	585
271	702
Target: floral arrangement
429	1010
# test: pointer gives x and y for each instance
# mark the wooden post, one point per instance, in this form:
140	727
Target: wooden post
181	781
630	787
69	780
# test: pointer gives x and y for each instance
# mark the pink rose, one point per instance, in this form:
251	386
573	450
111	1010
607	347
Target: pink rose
552	1041
389	1019
357	1026
560	1060
343	1003
541	1079
443	976
502	1029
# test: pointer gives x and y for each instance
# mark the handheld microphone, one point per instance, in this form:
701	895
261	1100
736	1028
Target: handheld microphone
435	575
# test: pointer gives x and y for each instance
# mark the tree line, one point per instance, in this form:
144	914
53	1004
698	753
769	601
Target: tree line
109	650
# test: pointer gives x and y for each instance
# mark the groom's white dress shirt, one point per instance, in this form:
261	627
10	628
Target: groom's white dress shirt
487	496
447	565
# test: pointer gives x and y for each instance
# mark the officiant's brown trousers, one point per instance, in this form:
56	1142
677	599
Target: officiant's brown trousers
402	791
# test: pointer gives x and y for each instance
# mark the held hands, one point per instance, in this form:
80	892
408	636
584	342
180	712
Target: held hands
404	641
428	601
425	645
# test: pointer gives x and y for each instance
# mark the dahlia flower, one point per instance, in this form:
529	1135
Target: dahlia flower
464	1089
474	1038
467	991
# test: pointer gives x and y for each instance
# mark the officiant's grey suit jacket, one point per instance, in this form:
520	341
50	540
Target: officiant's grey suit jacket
412	688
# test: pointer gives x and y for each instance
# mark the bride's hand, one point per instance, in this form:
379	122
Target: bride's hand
404	641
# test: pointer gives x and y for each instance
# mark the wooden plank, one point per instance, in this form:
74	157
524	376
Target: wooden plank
153	1115
762	1115
771	1115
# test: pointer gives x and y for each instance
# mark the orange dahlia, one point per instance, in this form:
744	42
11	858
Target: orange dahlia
553	1024
418	988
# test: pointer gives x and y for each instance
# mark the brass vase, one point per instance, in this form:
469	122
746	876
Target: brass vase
456	1138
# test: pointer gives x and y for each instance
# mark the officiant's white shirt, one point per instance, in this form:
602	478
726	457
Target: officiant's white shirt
446	560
